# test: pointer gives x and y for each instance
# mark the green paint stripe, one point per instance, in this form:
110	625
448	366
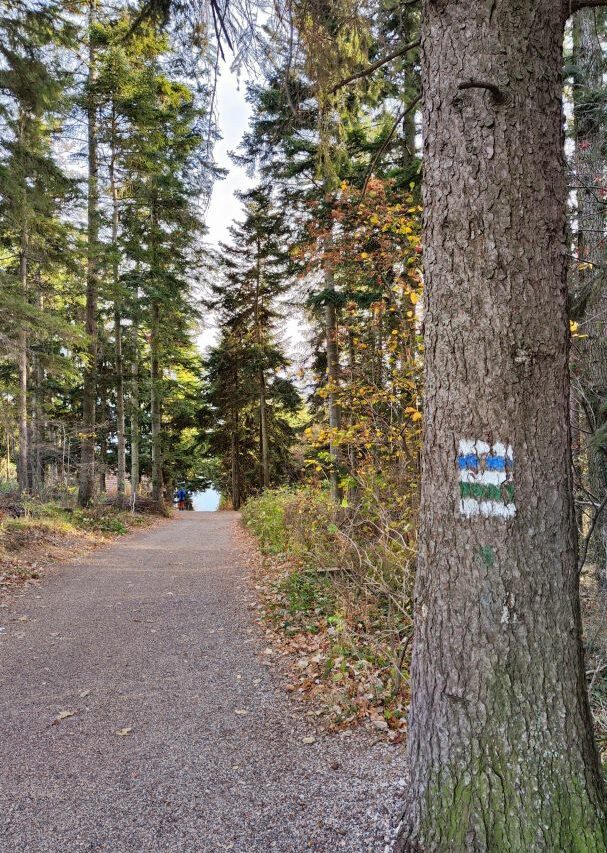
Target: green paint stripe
488	492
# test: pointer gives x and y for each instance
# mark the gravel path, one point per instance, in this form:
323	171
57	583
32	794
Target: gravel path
154	635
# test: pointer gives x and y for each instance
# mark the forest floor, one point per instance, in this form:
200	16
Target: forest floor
143	710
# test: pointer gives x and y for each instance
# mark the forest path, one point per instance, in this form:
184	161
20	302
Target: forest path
154	634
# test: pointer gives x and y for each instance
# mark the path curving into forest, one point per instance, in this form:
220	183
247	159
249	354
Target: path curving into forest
153	638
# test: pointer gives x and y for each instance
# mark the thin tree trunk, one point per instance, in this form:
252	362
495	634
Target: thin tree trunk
500	737
155	375
263	428
86	491
119	366
235	467
135	411
334	409
38	428
103	420
23	472
263	414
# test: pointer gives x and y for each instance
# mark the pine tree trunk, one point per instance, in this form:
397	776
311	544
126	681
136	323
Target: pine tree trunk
500	739
102	417
333	380
589	164
134	409
23	467
156	403
38	427
86	491
263	429
263	414
118	360
235	471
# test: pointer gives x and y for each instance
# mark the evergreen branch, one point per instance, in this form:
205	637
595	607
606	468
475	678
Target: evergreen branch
382	149
375	65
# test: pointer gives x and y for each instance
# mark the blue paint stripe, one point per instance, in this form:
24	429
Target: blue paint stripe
471	462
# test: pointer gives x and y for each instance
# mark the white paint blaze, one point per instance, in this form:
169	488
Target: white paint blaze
493	478
485	465
470	507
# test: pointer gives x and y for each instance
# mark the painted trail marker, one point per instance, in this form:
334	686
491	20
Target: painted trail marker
486	486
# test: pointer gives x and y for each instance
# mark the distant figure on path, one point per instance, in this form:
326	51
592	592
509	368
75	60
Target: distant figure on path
181	497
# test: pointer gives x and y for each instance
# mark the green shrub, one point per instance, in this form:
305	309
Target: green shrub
105	521
264	516
308	594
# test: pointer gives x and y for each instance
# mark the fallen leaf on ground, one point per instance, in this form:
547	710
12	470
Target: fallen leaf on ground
63	715
84	693
124	732
308	739
241	711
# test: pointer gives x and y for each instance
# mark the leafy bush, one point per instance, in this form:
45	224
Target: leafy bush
264	516
342	578
100	521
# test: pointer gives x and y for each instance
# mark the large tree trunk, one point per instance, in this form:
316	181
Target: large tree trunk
501	747
156	403
86	490
118	360
589	178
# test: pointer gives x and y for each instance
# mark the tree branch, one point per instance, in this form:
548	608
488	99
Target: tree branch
378	64
571	6
498	96
597	514
381	151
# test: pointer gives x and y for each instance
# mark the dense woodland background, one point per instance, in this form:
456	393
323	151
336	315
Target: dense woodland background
108	121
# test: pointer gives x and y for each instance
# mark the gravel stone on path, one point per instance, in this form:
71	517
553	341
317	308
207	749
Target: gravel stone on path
181	736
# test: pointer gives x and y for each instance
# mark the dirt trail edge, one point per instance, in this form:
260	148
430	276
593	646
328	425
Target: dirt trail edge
181	738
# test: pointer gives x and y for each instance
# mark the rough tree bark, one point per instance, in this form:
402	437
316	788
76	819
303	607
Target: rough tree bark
86	490
500	745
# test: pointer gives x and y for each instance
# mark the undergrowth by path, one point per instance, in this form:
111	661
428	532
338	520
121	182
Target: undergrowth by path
49	533
342	642
346	646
